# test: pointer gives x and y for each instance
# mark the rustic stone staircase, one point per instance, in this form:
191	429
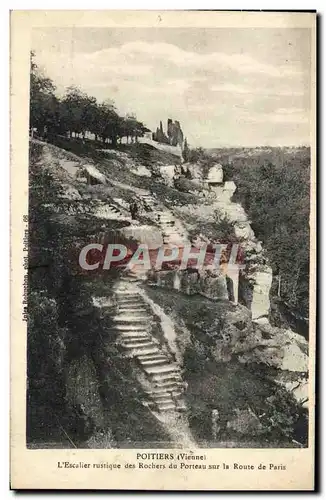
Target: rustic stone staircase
108	211
160	374
149	201
172	230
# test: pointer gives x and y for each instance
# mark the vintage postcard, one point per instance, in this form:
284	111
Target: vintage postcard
163	236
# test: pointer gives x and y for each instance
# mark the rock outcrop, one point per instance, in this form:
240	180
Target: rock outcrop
174	135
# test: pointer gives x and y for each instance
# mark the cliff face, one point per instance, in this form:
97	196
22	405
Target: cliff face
272	347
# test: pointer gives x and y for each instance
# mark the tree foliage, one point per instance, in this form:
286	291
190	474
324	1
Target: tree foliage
76	113
277	200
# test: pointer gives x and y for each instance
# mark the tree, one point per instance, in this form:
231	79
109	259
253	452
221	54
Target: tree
89	114
108	124
186	151
130	123
276	198
44	105
75	111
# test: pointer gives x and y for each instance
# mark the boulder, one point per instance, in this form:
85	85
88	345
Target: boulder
215	174
141	171
167	172
282	350
254	291
243	231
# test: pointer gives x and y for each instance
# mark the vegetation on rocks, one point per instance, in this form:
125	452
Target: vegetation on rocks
225	384
273	187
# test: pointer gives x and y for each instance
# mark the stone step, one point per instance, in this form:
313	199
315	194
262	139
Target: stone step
136	344
165	397
135	352
154	362
139	338
130	328
124	318
131	342
166	406
130	301
160	355
170	385
169	367
167	384
132	306
165	368
162	378
159	396
135	335
157	391
131	310
163	400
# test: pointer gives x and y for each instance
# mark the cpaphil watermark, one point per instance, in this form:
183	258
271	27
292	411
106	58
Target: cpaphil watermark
224	256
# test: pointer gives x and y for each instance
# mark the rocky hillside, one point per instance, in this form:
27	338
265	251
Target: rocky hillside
163	359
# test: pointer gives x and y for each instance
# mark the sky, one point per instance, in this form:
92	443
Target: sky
226	86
